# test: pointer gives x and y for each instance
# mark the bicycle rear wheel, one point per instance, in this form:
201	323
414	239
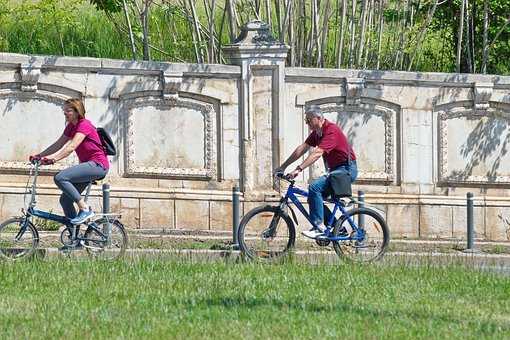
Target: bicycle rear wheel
374	243
266	233
105	245
13	245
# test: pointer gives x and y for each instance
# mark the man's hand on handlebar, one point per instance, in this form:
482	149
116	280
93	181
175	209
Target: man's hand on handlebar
34	158
293	174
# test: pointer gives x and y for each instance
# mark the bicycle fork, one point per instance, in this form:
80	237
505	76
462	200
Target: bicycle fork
24	225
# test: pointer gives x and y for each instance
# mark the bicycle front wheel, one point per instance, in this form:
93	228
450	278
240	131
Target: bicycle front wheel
266	233
376	235
16	243
106	240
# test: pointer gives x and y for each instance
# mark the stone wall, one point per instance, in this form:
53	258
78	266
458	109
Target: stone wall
188	133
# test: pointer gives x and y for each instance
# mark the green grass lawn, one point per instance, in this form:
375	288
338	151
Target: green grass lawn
179	299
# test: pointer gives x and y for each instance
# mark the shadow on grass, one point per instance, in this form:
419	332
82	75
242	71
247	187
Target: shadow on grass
362	310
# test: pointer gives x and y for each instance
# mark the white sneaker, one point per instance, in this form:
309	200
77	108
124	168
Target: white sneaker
314	232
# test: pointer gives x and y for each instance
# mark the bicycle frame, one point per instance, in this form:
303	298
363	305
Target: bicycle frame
32	211
292	195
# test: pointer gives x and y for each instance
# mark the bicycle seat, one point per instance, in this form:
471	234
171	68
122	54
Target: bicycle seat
94	181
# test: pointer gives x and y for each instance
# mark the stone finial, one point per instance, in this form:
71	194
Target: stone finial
353	89
29	77
482	93
255	32
171	84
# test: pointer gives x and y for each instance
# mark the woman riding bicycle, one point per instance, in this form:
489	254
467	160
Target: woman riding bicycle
80	136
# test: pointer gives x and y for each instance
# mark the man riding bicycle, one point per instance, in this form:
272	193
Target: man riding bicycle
330	143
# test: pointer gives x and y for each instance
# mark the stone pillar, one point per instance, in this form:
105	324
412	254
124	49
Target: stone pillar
261	106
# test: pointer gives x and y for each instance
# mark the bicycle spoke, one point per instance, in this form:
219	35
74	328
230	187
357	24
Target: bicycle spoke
366	245
16	243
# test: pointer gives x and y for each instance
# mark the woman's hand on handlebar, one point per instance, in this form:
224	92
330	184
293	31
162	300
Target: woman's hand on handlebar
37	159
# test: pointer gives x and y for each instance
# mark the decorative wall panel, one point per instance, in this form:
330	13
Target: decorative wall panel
30	122
171	137
473	144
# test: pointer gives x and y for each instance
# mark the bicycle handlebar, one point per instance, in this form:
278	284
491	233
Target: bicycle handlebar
41	161
285	177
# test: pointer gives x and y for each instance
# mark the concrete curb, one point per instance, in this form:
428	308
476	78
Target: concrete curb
311	257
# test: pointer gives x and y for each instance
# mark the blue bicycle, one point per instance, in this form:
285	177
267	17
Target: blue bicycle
359	234
104	236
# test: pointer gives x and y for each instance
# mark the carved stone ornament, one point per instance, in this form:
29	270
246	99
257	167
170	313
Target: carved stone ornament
482	94
353	90
171	84
29	77
255	32
209	114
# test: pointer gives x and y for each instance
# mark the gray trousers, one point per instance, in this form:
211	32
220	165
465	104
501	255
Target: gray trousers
72	181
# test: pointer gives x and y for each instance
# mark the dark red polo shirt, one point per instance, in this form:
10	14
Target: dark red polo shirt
333	142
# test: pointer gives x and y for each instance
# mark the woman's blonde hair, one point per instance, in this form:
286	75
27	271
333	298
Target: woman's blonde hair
77	105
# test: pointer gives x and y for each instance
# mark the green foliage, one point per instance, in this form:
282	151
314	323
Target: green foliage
97	28
446	20
46	225
111	6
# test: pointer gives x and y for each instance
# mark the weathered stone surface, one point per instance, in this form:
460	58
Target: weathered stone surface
221	215
460	222
436	221
129	208
10	205
497	221
192	214
403	220
155	213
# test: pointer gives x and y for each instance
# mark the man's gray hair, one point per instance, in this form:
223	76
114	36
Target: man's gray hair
314	110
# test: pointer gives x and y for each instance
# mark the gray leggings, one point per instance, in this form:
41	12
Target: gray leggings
72	181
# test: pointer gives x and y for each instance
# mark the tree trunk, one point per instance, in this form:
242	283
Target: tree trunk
361	45
231	21
267	4
130	30
278	16
211	31
459	36
473	35
286	20
422	33
352	33
324	34
469	59
370	13
301	31
145	30
485	35
340	45
379	33
292	37
196	26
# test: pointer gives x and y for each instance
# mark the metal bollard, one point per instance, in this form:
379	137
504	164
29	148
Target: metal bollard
361	204
235	216
470	229
106	198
